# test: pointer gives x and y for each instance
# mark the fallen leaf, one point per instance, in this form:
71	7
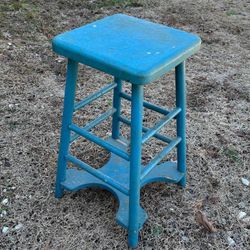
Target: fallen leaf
202	220
198	205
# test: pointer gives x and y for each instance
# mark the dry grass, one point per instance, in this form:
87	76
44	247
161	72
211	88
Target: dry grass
31	94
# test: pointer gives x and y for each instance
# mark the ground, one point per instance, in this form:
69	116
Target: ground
31	96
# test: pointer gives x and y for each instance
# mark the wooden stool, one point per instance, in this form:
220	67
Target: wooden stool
139	52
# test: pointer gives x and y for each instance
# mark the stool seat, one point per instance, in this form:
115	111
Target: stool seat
126	47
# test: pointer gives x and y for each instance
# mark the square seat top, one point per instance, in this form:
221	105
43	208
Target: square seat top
126	47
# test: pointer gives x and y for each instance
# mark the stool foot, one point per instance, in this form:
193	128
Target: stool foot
59	191
133	238
183	182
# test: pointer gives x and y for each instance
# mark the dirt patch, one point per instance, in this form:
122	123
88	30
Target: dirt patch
31	96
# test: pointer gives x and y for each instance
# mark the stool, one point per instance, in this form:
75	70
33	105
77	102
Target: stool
139	52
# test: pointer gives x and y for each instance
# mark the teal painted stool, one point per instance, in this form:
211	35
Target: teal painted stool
139	52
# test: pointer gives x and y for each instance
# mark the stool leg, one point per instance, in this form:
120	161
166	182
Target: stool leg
71	79
117	106
181	123
135	163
